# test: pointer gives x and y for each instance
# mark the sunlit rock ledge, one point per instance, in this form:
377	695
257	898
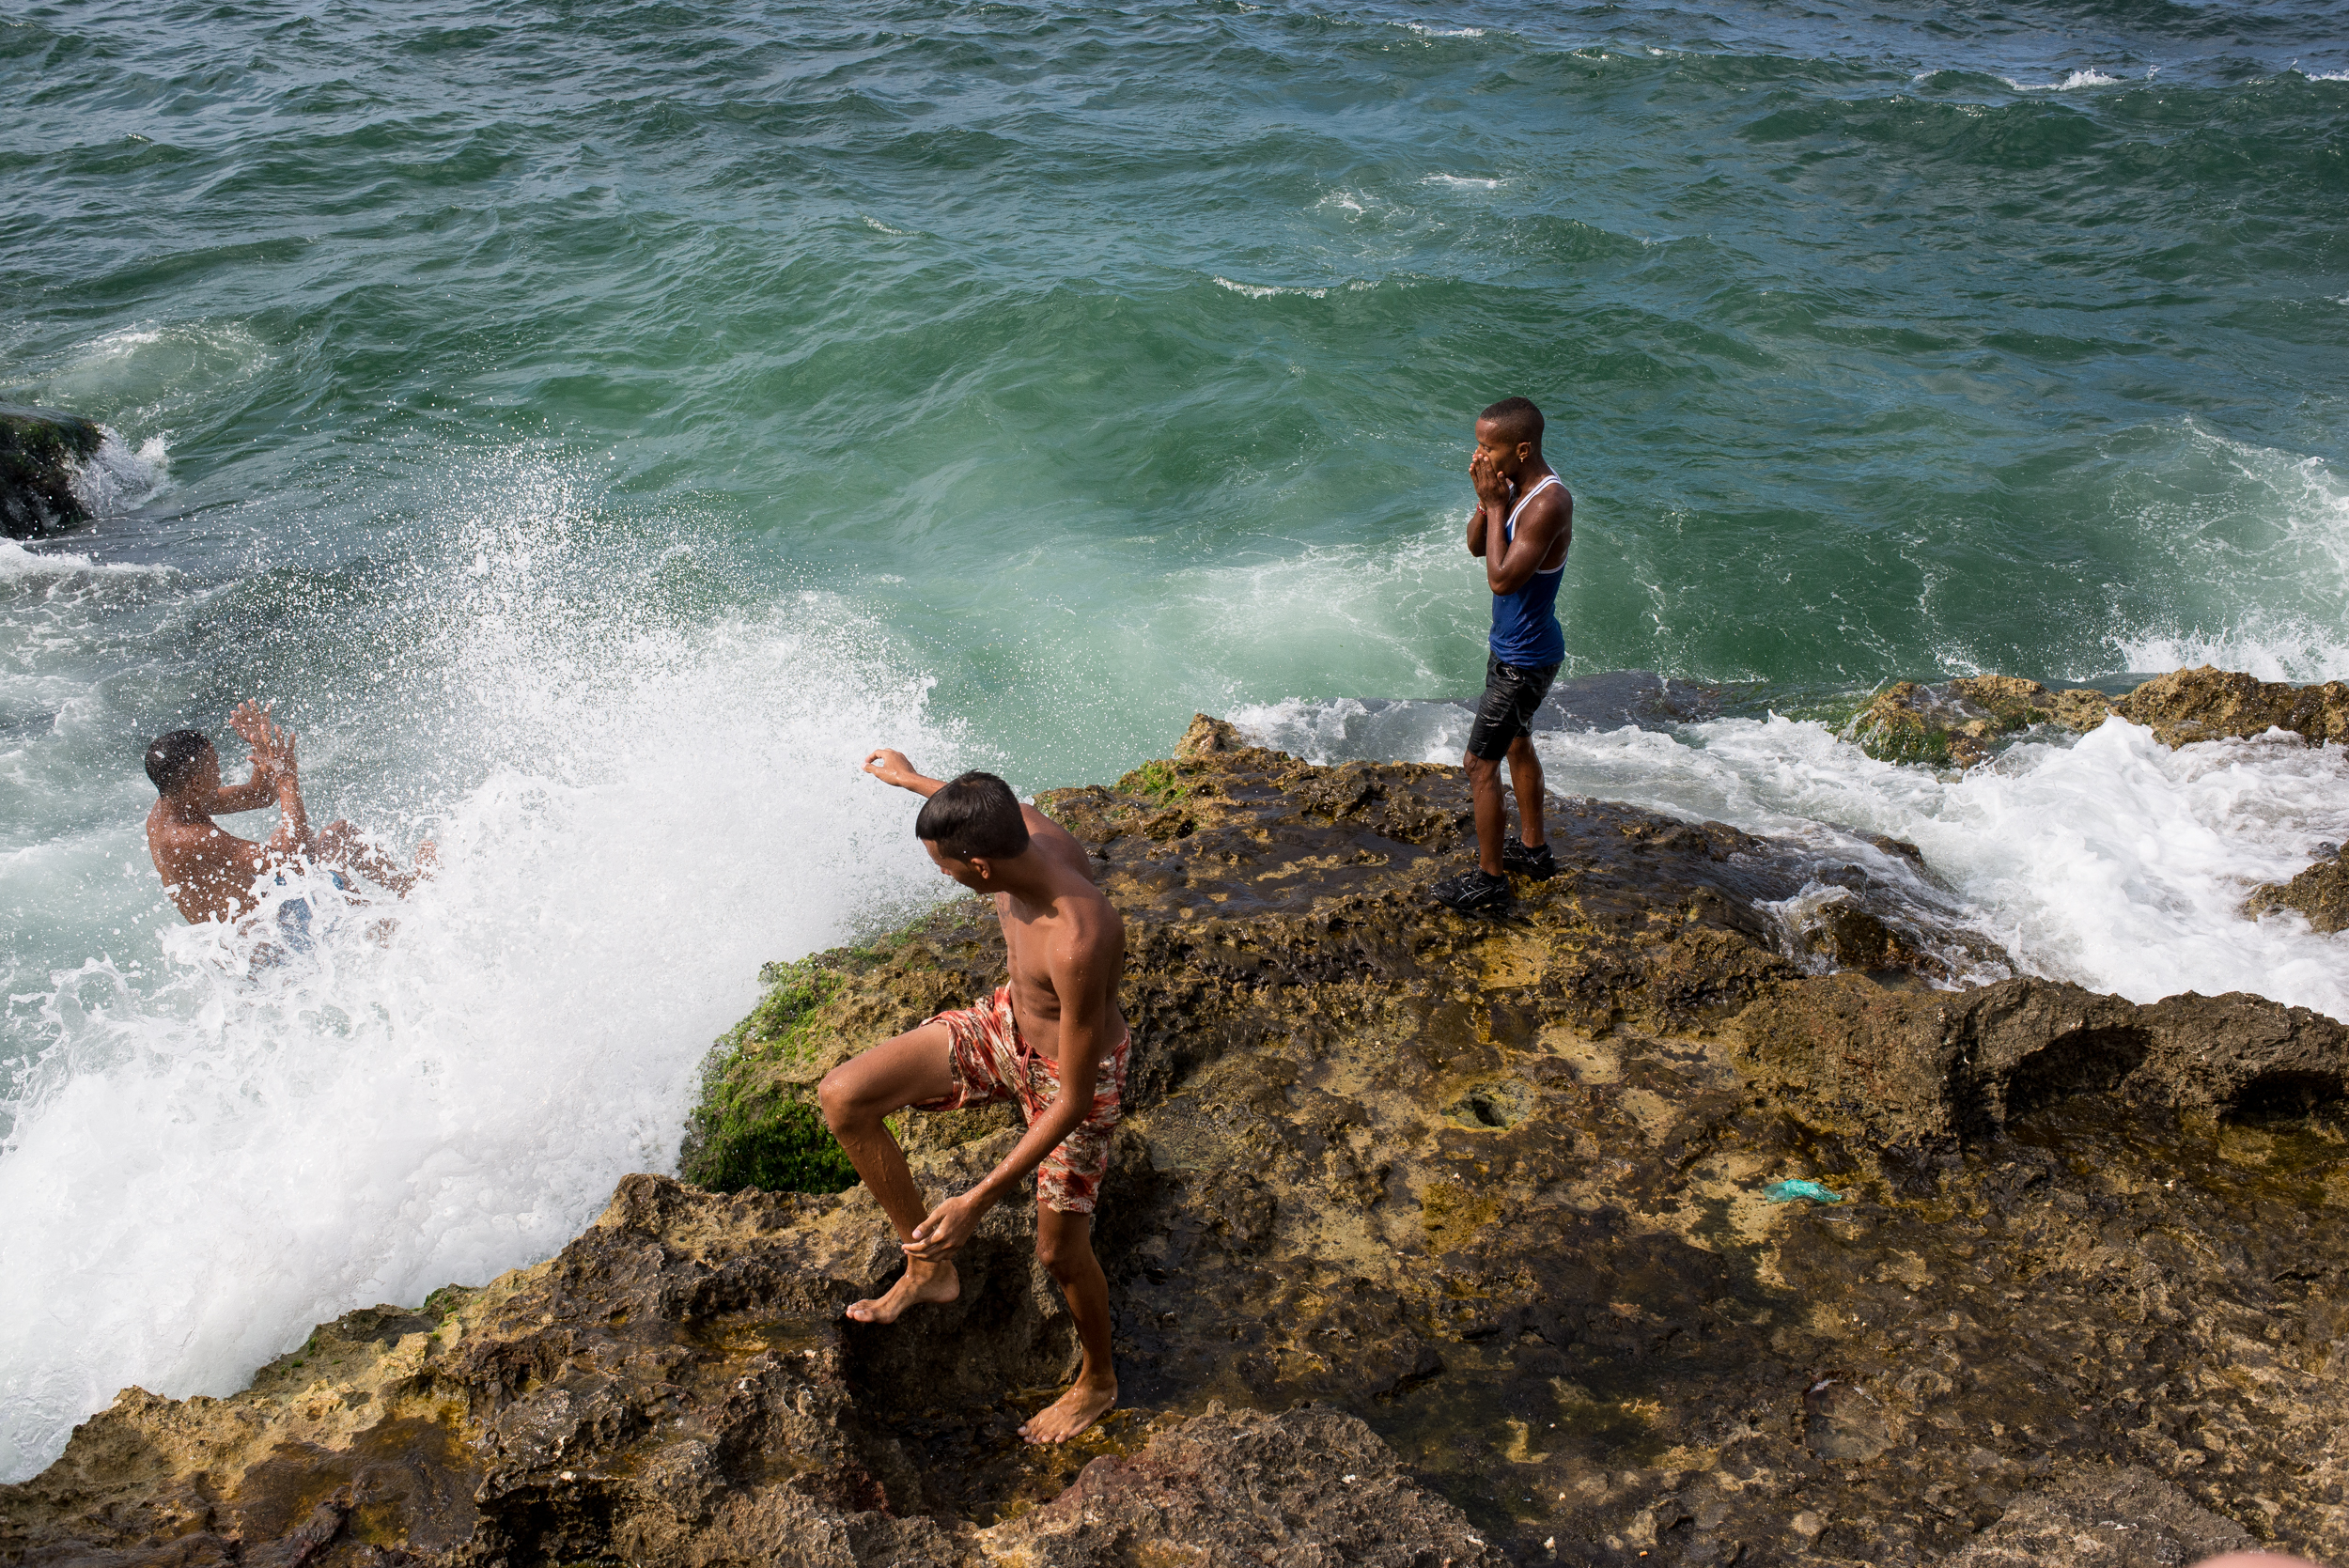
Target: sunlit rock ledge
1431	1238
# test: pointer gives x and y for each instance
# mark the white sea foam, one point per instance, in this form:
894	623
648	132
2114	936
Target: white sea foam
1462	181
1269	290
135	372
2076	80
207	1159
115	479
19	563
2115	862
879	228
1427	30
2257	542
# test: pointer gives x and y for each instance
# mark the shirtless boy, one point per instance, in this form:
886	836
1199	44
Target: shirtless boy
211	874
1522	527
1052	1041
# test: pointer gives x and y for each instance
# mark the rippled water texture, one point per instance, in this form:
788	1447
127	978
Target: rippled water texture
594	424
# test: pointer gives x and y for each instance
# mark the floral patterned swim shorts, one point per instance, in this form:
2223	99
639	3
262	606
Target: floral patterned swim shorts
993	1065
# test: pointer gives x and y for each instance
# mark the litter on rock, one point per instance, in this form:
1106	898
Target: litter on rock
1788	1190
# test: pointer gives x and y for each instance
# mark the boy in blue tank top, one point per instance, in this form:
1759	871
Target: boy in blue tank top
1522	527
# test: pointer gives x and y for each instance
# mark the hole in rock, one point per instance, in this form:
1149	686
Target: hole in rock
2085	1061
1489	1106
2282	1095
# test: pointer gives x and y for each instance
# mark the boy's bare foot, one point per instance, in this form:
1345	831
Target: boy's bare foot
936	1283
1080	1407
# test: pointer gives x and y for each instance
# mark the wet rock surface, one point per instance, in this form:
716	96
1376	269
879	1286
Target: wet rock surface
2321	893
40	453
2206	704
1962	722
1468	1211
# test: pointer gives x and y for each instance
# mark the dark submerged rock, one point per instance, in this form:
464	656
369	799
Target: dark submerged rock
40	451
1485	1192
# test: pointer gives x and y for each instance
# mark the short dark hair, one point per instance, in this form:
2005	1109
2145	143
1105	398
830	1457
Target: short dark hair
1517	418
172	759
973	814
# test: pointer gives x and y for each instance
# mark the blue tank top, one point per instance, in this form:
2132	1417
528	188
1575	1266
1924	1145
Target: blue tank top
1525	624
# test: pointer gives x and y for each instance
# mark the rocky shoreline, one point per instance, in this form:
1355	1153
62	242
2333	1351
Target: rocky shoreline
1431	1239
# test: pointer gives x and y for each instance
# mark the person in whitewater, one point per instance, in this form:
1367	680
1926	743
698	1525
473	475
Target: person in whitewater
1051	1041
1522	527
212	874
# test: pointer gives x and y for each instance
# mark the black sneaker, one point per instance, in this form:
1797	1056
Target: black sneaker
1523	861
1472	892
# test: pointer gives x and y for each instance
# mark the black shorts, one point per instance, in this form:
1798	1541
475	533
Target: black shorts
1512	693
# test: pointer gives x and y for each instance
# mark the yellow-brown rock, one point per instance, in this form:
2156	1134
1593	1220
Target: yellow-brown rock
2321	893
1429	1239
2207	704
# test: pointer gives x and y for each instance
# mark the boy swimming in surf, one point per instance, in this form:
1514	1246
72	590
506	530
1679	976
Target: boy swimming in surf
1051	1040
1524	526
210	875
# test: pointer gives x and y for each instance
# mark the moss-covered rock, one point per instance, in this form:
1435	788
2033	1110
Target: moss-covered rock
1957	723
757	1124
40	452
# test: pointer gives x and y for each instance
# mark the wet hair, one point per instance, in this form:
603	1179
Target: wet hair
974	815
1518	419
173	759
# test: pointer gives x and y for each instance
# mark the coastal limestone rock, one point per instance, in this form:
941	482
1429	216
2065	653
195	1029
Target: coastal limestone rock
678	1388
1491	1189
2127	1518
1206	737
1961	722
40	455
2321	893
2207	704
1313	1487
1935	1067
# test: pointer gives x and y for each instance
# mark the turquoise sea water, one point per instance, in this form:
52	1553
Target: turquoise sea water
594	425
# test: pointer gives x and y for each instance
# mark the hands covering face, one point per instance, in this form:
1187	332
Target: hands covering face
1485	473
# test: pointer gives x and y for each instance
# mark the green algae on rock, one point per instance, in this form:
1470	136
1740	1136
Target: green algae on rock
1465	1212
755	1127
1960	723
40	451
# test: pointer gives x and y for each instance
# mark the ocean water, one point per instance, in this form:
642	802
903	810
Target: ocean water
595	427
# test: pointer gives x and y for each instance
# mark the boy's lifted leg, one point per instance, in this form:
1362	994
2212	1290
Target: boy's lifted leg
855	1097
